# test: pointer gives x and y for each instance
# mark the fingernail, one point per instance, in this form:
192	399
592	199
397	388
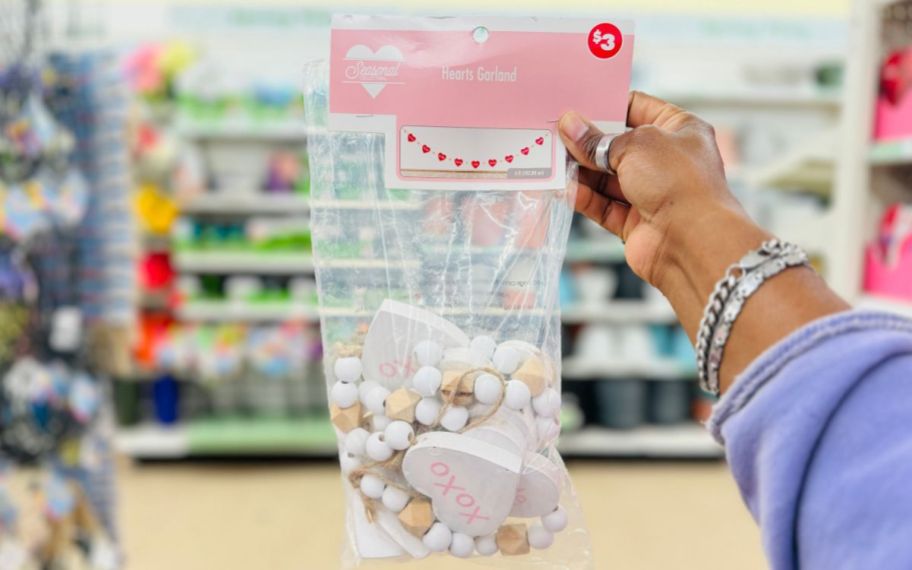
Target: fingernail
574	127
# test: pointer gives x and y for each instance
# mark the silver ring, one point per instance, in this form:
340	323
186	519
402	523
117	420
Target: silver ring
601	154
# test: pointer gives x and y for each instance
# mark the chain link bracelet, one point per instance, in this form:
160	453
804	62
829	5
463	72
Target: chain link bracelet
741	280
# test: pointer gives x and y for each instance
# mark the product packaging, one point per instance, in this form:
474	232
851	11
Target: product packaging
441	204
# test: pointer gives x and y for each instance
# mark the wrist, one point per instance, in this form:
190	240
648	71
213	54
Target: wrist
699	249
696	254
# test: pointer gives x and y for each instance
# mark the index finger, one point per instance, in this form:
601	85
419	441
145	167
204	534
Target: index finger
645	109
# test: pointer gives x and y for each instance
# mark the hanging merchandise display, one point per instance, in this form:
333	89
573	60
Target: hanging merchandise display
58	513
443	179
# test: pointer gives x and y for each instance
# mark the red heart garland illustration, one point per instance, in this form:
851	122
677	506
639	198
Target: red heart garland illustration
475	164
492	162
525	150
540	141
441	157
411	137
509	158
425	149
457	161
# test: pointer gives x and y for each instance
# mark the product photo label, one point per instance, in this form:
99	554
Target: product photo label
469	101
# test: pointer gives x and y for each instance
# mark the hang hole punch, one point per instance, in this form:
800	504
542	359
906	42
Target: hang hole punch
481	34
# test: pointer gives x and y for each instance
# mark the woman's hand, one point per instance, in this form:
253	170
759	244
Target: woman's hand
670	203
670	181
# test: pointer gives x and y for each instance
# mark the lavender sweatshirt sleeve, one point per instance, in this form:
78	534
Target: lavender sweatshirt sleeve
818	434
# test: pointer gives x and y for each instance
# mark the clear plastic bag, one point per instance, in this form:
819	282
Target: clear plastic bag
440	308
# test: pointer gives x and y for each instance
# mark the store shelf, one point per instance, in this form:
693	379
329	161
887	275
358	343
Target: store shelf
156	243
891	153
275	263
382	205
244	262
813	233
315	438
620	312
249	202
574	368
673	442
811	167
757	97
226	311
279	131
231	437
153	441
896	306
595	251
155	300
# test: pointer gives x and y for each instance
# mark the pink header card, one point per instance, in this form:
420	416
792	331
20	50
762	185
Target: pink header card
469	102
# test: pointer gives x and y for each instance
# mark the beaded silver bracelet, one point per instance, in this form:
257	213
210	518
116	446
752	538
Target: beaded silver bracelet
741	280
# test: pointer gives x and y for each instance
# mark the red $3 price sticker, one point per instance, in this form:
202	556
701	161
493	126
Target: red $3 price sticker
605	40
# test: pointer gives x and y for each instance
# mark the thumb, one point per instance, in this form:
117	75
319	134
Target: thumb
581	138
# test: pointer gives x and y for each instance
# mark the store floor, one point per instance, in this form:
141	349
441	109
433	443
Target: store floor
650	516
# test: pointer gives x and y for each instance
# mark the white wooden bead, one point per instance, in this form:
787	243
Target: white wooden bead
372	486
548	429
455	418
488	388
395	499
427	381
438	538
377	449
461	545
427	410
348	462
483	347
547	404
365	388
540	537
355	441
486	545
347	369
379	423
555	521
376	400
517	395
428	353
344	394
398	435
507	359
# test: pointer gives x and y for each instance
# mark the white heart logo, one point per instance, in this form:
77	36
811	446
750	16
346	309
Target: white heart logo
472	484
374	70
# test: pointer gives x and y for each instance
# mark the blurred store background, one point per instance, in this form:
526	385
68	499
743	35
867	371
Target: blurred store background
200	300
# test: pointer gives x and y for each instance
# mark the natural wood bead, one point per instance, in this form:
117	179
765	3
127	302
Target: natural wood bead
417	516
460	382
534	373
345	419
400	405
512	539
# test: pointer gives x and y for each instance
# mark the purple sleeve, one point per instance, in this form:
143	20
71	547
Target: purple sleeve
818	433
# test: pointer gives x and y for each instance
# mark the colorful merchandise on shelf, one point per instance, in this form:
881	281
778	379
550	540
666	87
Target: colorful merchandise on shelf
155	210
888	261
267	234
153	69
64	282
893	116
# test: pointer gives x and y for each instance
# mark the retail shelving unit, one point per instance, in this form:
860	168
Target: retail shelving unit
808	166
870	174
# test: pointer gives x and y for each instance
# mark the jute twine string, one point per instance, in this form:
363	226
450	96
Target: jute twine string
449	399
344	350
